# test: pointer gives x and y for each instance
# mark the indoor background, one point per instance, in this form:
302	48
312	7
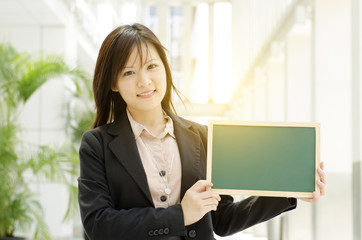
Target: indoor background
264	60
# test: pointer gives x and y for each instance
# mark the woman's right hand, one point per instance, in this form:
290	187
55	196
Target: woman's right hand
198	201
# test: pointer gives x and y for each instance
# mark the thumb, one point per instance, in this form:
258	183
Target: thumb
201	185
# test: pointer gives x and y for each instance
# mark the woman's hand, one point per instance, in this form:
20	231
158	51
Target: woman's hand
197	202
321	184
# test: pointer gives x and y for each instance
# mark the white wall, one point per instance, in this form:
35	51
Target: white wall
333	110
298	84
275	69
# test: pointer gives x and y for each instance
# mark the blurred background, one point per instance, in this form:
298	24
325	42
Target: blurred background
265	60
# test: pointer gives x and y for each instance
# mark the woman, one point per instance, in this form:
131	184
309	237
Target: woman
142	166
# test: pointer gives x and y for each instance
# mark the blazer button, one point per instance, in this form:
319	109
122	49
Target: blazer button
163	198
192	234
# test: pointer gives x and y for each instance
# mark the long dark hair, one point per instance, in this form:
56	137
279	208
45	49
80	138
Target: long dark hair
112	57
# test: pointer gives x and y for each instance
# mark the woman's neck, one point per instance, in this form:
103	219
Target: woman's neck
153	120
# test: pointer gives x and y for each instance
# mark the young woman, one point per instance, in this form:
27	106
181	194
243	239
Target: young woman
142	166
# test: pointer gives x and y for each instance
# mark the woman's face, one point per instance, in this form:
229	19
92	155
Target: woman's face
142	82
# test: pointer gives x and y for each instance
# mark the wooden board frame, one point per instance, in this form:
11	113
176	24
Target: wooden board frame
315	125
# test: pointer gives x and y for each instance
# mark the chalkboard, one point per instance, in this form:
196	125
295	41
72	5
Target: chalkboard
263	158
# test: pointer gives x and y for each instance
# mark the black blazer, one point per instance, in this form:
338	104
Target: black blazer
115	201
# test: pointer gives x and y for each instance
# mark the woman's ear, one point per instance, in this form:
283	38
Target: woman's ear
114	89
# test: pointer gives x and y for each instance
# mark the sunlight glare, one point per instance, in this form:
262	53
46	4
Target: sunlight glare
222	53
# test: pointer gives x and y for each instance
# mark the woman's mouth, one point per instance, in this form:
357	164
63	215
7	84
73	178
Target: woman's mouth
146	94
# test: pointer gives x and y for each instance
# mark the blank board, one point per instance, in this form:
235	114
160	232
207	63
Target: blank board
263	158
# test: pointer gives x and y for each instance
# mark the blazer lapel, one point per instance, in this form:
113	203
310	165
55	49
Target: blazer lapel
189	147
125	148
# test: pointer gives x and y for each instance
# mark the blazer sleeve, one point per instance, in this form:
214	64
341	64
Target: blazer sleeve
231	217
100	218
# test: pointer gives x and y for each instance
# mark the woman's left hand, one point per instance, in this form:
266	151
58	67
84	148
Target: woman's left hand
321	184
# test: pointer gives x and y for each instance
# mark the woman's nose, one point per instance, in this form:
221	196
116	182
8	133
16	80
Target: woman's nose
143	79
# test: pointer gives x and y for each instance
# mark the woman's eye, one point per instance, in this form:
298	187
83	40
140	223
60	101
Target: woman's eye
152	66
128	73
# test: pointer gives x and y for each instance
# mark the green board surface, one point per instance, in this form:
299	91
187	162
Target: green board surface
265	158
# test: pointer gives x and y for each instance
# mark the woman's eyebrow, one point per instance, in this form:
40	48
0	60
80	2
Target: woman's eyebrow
150	60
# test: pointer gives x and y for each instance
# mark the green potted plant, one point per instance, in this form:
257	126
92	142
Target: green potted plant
21	74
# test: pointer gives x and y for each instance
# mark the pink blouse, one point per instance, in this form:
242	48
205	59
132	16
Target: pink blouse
161	161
